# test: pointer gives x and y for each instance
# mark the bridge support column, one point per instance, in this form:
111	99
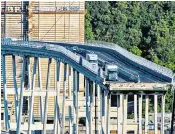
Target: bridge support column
140	114
135	110
155	113
70	119
163	115
46	97
146	113
21	96
69	95
98	108
75	100
91	108
108	114
7	126
135	107
125	102
118	115
57	112
29	86
87	105
40	86
77	104
96	111
69	82
30	122
64	99
105	110
15	87
102	110
29	81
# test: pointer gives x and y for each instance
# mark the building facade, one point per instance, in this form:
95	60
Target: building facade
41	21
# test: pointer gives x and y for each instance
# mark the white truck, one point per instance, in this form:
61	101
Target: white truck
111	72
93	59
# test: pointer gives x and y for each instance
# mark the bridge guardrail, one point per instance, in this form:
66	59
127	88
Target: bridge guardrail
134	58
37	45
136	61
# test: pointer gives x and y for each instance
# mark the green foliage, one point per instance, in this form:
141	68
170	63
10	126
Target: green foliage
146	29
135	50
168	103
89	34
151	107
168	100
131	116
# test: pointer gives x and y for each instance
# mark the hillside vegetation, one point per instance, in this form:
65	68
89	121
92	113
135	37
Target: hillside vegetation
146	29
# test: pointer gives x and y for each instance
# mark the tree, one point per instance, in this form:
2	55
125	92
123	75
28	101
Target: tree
146	29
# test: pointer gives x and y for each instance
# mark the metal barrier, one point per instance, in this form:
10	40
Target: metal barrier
136	59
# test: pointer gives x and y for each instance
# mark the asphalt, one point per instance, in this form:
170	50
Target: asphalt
111	58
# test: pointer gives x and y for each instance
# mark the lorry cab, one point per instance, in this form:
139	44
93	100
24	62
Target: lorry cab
93	59
111	72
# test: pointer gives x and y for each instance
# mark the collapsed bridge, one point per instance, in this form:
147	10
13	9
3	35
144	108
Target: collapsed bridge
136	76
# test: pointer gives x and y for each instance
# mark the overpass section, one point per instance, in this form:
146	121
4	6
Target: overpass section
135	78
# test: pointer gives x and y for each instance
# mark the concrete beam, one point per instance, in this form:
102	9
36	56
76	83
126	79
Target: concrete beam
39	126
140	113
102	110
64	96
57	112
40	87
70	119
7	126
96	110
77	103
75	100
163	115
108	114
135	107
138	86
105	111
146	113
91	107
155	114
125	102
32	97
87	105
118	115
15	86
46	98
69	82
21	96
69	95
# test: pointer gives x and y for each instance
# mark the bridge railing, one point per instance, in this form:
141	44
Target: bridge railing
80	60
136	59
121	91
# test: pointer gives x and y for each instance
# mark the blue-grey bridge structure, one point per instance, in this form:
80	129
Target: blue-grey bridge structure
137	76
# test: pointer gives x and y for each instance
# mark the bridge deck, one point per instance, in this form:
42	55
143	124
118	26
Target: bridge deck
150	73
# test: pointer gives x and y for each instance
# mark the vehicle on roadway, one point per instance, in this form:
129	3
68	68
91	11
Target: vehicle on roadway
93	59
111	72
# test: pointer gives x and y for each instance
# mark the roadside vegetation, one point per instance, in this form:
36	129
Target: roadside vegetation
146	29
